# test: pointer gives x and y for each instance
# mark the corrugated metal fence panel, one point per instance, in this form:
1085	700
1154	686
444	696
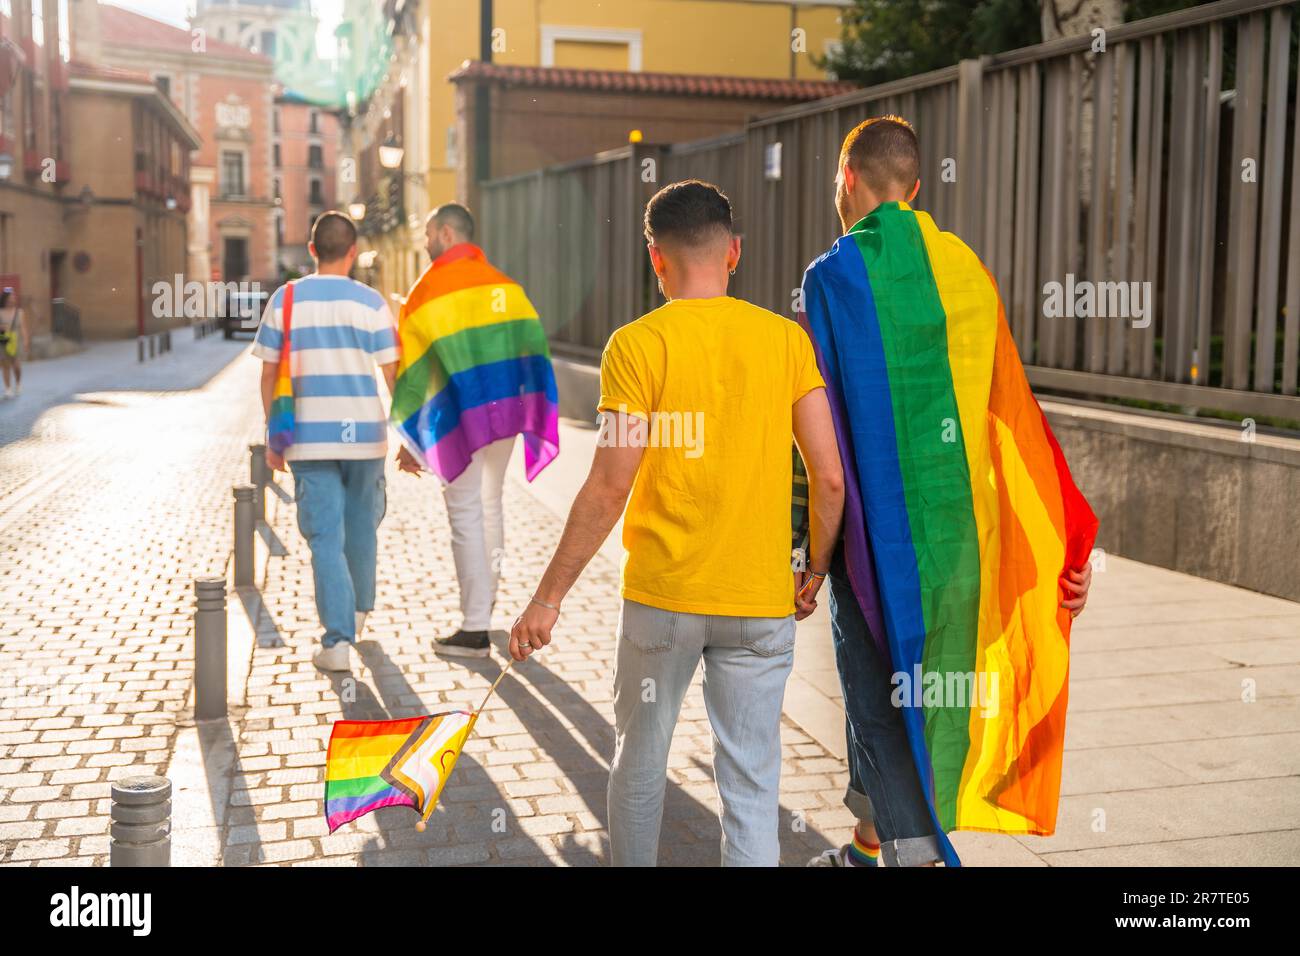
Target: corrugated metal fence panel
1273	172
1054	162
1243	220
1291	335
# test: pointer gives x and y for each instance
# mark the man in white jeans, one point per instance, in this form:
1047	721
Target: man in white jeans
476	373
700	399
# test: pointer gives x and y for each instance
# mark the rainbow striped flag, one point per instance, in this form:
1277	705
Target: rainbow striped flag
475	367
960	516
391	763
280	419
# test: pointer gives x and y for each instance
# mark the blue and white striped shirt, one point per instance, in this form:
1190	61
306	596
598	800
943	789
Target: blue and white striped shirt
339	332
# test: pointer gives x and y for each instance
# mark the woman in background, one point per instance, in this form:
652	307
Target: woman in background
13	342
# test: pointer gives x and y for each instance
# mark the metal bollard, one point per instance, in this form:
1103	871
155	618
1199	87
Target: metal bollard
245	526
141	830
209	648
257	475
139	348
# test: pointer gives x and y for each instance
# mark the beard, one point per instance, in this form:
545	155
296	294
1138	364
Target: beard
842	206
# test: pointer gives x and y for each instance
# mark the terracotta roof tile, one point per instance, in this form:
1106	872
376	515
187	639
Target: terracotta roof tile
99	71
124	28
619	81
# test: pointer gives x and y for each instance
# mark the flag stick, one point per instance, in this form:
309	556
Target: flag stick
491	690
432	802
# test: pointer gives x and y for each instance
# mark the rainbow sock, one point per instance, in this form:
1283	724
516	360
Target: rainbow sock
861	853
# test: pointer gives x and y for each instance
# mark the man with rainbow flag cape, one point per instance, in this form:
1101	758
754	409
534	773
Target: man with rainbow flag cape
475	372
966	544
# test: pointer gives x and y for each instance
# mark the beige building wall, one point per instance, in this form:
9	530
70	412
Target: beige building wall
31	236
120	243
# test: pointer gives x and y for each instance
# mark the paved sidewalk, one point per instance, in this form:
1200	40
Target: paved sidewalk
1183	736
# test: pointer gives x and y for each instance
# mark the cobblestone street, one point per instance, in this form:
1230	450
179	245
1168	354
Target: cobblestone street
101	551
112	505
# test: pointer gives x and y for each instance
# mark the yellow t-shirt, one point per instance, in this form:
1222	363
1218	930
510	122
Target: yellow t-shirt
711	383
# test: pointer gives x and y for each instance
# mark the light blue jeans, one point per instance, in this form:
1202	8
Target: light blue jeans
340	504
746	663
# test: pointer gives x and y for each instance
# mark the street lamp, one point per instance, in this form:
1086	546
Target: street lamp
357	211
391	153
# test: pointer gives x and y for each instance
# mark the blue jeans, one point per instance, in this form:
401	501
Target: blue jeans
884	787
746	663
340	504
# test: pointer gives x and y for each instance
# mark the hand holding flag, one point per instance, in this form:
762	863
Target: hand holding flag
532	629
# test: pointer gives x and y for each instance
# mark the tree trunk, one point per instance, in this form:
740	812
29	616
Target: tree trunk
1063	18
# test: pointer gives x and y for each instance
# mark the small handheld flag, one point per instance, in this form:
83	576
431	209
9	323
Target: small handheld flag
394	763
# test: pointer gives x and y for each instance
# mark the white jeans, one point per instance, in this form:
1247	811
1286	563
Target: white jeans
477	532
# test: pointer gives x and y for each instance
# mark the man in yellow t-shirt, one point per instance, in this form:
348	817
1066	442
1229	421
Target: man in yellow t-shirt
699	401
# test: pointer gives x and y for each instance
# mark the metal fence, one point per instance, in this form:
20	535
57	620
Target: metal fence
1171	156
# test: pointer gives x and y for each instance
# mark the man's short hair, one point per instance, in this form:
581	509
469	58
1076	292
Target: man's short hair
688	213
884	152
333	234
455	215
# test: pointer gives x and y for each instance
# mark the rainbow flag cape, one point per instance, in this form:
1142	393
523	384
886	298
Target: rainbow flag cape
960	517
475	367
391	763
280	419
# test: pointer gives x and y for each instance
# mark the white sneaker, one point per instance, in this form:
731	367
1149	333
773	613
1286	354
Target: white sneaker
9	391
18	389
361	622
336	658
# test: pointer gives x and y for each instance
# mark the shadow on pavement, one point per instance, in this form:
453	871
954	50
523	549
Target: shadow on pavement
228	787
461	826
691	832
274	545
266	632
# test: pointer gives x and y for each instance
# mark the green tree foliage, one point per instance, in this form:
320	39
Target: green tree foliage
887	39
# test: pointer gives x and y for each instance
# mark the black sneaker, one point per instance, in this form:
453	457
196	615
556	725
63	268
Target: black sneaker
464	644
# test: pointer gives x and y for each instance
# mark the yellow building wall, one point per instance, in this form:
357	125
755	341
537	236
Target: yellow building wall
726	37
592	56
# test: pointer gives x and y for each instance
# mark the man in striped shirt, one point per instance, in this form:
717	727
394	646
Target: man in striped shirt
339	331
